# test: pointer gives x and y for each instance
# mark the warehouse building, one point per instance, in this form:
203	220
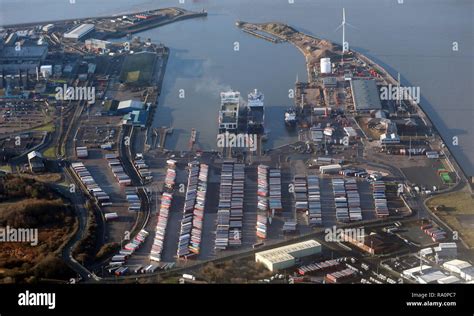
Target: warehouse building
286	256
365	95
80	31
128	106
456	265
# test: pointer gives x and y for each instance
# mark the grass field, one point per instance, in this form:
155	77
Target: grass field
458	212
46	128
6	168
50	152
138	68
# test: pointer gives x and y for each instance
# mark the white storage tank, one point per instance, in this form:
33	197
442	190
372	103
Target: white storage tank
326	66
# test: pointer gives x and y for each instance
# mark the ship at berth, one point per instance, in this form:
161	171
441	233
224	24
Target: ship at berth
255	113
229	112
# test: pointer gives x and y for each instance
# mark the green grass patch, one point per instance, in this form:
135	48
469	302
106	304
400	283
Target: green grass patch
456	209
46	128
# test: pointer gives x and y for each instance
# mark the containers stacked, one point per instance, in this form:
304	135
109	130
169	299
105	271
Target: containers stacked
300	193
237	206
117	169
340	200
262	192
191	224
262	205
163	214
261	226
92	187
353	200
381	208
196	232
223	211
314	201
170	174
230	209
275	190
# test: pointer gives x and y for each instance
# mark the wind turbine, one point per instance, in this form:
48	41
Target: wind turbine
345	45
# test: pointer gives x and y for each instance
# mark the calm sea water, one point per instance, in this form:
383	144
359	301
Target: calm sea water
414	38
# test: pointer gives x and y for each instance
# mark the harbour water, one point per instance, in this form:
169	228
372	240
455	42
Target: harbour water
414	38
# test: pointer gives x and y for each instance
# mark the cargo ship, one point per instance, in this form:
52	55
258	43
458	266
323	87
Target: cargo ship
290	117
255	113
229	112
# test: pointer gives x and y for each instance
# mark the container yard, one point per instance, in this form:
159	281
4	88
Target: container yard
193	212
230	209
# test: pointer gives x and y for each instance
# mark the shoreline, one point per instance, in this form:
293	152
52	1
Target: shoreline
457	168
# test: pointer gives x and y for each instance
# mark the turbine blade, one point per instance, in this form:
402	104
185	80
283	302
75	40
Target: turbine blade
354	27
337	28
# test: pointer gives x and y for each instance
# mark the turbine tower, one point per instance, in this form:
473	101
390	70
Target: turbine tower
344	48
345	45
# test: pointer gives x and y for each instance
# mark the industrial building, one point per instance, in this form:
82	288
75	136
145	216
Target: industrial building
128	106
446	250
286	256
96	45
456	265
428	276
137	118
365	95
80	31
35	161
29	57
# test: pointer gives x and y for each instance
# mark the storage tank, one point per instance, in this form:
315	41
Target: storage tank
326	65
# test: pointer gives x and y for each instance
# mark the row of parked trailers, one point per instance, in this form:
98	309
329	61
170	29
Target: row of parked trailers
340	199
160	231
314	201
170	174
275	190
134	202
262	204
347	200
262	189
143	170
163	213
340	276
131	247
230	208
94	189
326	266
193	212
353	200
117	169
380	199
436	233
300	193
